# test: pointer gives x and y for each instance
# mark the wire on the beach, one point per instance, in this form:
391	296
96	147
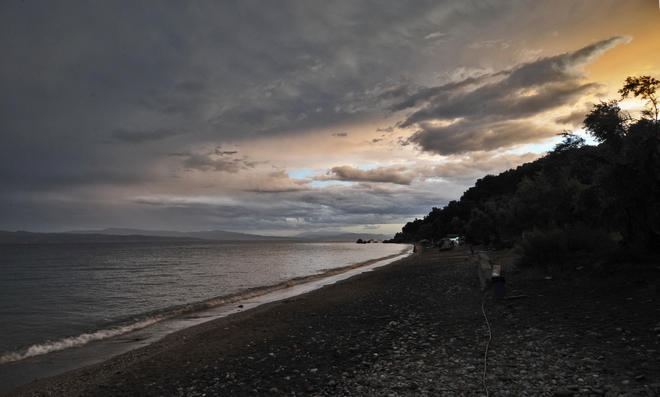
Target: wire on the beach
490	336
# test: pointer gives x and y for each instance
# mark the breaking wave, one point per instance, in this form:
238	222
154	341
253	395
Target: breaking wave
157	316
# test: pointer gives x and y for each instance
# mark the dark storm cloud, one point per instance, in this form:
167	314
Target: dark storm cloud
226	71
456	169
180	89
361	200
397	175
295	211
138	137
73	75
488	112
205	162
335	206
414	95
574	119
467	136
225	153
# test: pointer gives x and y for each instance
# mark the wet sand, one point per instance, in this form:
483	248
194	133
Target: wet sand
415	327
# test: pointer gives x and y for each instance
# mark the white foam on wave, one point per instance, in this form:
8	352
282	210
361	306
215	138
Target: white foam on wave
153	318
74	341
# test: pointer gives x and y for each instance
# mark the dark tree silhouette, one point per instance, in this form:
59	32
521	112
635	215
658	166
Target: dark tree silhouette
576	194
607	123
644	87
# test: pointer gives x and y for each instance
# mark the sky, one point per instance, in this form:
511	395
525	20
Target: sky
288	117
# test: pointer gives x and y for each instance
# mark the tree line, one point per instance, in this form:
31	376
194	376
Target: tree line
578	199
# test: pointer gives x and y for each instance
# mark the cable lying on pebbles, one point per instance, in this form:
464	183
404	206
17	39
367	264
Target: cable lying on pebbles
527	363
416	355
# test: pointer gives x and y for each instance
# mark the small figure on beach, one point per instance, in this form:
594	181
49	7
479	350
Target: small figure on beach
471	249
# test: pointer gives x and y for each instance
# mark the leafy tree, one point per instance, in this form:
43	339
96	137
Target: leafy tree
630	171
570	142
644	87
480	227
458	225
607	123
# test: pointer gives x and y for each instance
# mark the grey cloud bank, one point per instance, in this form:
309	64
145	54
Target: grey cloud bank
189	115
490	111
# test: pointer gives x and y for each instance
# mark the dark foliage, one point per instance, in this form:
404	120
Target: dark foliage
574	201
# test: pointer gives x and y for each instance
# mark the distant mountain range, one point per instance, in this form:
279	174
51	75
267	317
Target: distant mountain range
61	238
138	235
209	235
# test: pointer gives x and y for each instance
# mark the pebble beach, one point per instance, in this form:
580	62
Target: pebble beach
421	326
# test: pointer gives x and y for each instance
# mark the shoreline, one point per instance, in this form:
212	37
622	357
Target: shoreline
414	327
54	363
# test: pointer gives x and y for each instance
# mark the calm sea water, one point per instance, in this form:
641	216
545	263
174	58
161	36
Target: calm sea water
55	297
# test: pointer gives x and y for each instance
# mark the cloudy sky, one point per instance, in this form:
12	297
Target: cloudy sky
283	117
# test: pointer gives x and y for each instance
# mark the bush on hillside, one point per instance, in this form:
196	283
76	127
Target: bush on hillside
563	248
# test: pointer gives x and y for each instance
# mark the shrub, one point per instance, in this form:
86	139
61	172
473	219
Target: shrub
561	248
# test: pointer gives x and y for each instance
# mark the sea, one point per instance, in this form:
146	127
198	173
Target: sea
64	306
